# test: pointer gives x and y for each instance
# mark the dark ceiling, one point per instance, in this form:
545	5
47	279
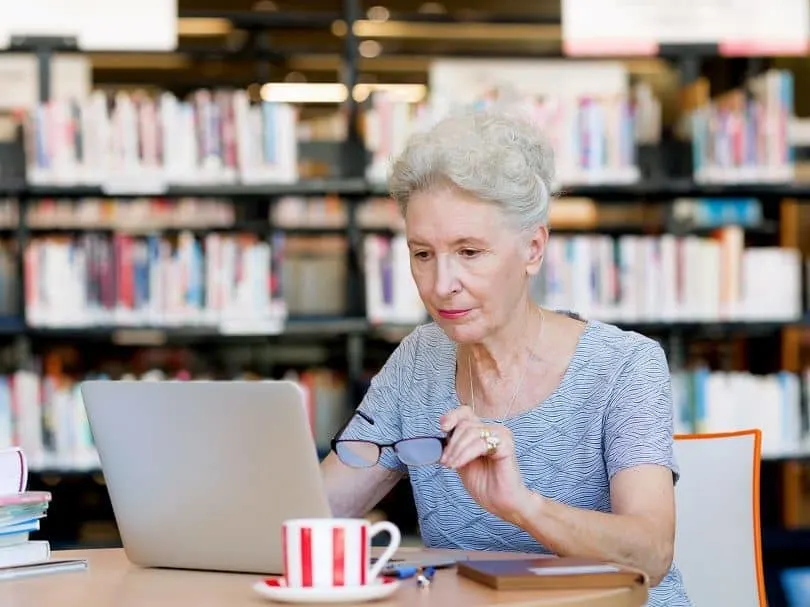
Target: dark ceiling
274	40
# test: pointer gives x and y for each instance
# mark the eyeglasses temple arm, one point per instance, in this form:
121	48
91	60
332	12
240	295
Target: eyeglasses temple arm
345	425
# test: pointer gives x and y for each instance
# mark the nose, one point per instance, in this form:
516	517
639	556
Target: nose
447	281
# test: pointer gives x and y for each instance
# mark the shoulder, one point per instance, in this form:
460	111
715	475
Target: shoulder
620	355
637	392
426	349
424	344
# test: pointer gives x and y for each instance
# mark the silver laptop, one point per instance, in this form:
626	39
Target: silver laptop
201	474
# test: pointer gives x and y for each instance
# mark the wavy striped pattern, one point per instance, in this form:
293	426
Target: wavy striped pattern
612	410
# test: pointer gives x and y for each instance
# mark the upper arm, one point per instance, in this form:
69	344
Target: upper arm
356	490
638	439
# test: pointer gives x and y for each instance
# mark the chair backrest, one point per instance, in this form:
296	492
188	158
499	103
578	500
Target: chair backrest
717	544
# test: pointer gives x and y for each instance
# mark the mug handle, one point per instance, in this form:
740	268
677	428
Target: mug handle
388	553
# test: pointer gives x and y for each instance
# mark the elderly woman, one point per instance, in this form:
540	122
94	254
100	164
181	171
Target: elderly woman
520	428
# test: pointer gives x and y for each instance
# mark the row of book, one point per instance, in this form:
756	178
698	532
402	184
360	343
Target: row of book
739	136
229	281
742	135
594	138
708	401
44	414
132	215
137	141
9	282
240	282
154	213
670	278
133	140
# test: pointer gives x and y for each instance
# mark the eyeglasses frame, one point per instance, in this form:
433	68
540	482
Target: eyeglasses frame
380	446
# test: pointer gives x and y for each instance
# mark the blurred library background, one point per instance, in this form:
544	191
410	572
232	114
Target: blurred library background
196	189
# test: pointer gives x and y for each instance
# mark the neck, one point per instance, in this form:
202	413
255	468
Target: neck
504	353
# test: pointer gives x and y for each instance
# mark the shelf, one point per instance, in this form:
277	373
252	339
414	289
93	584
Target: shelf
800	453
339	326
135	335
647	190
314	187
710	328
662	190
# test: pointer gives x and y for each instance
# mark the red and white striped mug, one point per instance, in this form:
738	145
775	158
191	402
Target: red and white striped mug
330	552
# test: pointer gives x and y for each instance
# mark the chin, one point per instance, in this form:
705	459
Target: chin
461	333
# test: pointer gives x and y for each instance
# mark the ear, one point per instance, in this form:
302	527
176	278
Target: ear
535	249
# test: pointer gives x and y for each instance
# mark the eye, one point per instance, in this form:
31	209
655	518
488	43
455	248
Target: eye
469	252
421	254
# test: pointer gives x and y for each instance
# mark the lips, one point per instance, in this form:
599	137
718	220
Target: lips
453	314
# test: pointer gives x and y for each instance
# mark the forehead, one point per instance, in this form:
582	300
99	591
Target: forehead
447	213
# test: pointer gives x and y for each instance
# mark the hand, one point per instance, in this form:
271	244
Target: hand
491	478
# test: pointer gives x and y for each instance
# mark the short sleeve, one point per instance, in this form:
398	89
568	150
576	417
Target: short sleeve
638	425
386	392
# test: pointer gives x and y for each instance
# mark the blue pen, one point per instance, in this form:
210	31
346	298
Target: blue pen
402	572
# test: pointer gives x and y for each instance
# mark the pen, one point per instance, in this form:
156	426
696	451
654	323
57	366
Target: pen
402	573
426	576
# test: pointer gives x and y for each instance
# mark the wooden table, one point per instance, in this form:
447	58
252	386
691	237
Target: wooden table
112	581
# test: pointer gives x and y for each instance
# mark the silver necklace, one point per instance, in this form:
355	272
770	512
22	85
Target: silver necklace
520	381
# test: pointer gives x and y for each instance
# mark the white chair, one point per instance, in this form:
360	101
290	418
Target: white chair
717	543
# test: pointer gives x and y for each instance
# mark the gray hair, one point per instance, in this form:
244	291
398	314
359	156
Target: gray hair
497	156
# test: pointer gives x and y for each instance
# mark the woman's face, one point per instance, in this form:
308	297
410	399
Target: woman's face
470	266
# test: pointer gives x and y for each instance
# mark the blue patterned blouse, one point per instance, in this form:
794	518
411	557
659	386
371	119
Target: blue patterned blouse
612	410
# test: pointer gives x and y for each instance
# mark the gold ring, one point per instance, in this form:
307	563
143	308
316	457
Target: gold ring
492	443
485	433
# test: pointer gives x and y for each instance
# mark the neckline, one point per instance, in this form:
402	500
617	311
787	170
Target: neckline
570	371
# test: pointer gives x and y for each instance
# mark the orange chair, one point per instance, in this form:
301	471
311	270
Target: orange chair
718	543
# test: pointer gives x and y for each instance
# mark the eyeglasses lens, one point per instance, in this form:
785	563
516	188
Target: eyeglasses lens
357	454
419	451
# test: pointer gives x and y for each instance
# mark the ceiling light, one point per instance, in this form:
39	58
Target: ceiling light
434	8
265	6
378	13
189	26
339	28
304	92
369	48
408	93
295	77
457	31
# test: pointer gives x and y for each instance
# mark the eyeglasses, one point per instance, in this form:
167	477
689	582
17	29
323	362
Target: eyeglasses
416	451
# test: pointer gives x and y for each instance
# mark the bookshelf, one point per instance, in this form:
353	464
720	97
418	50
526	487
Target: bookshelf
327	219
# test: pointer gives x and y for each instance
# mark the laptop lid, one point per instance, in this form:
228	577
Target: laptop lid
201	474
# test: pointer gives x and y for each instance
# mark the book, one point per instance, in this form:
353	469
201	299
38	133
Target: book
558	573
20	513
13	470
43	568
28	553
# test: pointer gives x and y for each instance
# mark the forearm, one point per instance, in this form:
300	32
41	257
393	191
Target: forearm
353	492
569	531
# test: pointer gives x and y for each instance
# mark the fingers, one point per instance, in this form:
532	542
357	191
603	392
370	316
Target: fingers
468	443
465	441
452	418
465	445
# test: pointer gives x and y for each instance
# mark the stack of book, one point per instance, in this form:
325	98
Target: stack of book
20	514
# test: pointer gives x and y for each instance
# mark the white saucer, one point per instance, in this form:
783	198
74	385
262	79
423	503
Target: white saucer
276	589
